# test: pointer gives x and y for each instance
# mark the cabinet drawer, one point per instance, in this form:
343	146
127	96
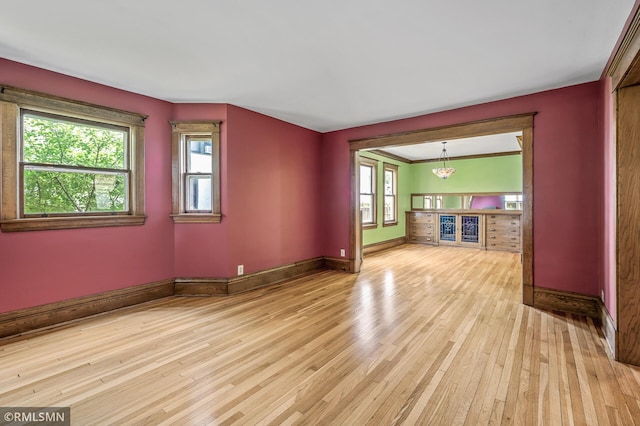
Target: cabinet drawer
503	222
422	217
503	230
502	238
495	245
422	238
421	228
504	217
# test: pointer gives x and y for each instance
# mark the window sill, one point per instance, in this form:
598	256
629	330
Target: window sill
370	226
196	218
390	224
48	223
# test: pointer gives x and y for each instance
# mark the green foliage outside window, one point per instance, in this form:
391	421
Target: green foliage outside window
73	167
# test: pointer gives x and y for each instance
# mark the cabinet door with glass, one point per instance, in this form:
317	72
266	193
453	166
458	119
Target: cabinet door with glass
461	230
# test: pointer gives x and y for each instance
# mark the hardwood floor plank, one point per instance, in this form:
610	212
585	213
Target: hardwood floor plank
423	335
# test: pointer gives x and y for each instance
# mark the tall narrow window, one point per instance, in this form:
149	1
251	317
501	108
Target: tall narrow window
390	194
368	200
196	171
69	164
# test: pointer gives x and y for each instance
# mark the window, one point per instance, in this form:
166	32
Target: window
390	194
368	200
196	172
513	202
69	164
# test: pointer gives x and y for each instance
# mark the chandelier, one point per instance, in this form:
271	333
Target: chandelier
444	171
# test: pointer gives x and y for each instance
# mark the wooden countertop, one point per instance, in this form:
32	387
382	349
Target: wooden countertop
471	211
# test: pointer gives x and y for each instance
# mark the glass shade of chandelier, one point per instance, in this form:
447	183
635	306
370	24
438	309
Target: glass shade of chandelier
444	172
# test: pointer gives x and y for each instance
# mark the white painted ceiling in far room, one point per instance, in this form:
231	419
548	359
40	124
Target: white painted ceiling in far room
324	65
480	145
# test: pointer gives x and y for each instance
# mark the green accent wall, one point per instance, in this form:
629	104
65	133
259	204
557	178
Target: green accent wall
385	233
489	174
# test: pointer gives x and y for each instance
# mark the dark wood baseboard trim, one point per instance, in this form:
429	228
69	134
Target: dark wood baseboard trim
608	328
201	287
21	321
383	245
275	275
337	264
15	323
234	285
565	301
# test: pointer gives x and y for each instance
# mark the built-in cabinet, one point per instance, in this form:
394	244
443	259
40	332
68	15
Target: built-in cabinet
503	232
490	231
460	229
422	227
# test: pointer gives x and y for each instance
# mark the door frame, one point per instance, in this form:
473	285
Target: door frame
506	124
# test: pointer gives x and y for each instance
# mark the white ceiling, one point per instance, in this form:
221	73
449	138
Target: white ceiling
505	142
325	65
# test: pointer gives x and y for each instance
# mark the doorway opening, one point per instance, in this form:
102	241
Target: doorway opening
516	123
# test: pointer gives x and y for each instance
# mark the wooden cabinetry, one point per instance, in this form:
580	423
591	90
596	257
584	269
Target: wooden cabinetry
503	232
422	227
460	229
492	231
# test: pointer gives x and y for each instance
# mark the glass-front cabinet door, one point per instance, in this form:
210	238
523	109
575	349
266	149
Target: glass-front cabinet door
470	228
461	229
448	228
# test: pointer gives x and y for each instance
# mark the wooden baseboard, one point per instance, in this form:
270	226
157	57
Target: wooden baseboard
21	321
383	245
608	327
275	275
565	301
201	287
337	264
234	285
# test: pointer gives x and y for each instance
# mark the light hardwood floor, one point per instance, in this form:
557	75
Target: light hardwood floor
424	335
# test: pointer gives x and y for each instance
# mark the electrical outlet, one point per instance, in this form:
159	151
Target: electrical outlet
342	253
240	269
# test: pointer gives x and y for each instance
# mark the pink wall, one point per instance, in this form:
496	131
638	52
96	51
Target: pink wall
567	180
275	205
609	197
200	249
280	205
487	201
48	266
271	182
270	205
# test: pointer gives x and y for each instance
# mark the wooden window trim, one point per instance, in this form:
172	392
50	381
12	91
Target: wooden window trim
12	101
179	130
374	186
394	169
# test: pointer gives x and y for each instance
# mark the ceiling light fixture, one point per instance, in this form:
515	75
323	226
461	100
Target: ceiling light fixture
444	171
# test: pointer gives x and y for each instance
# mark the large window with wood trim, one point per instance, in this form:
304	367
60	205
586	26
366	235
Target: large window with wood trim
69	164
368	199
390	194
196	171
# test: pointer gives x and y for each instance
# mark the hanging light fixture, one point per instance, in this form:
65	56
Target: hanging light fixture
444	171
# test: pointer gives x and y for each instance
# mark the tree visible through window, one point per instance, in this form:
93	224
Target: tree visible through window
73	166
68	164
